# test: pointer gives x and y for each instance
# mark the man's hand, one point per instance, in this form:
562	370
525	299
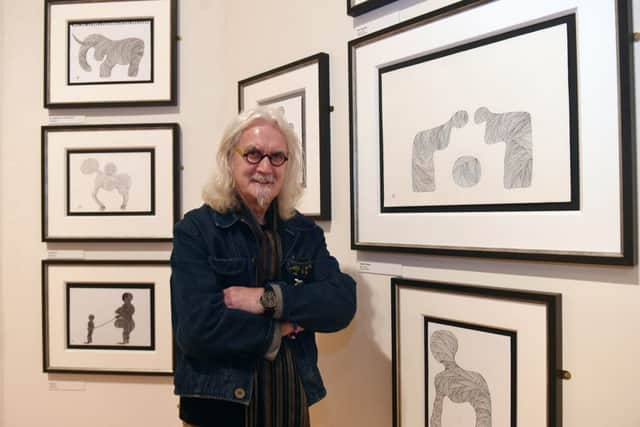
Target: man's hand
244	298
288	329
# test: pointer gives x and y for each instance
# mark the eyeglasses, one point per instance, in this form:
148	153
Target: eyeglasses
255	156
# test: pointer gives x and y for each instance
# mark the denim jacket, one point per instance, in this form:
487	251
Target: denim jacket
217	348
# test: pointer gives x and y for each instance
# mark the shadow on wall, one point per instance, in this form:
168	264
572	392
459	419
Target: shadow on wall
355	370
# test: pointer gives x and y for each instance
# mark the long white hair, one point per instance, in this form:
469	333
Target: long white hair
220	193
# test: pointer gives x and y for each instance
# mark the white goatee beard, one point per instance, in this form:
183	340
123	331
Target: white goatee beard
263	195
263	192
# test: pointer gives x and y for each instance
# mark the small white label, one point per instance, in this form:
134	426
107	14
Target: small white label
54	120
381	268
66	254
361	31
67	386
374	25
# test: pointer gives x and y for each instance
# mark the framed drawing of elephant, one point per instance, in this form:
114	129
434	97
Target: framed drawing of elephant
475	355
110	53
110	182
489	131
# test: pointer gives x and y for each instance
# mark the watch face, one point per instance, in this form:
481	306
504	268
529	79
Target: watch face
268	299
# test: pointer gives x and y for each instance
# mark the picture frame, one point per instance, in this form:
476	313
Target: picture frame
500	349
107	317
301	90
110	182
359	7
110	53
450	190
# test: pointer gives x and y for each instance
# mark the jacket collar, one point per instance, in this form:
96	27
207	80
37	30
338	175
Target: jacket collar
295	224
225	220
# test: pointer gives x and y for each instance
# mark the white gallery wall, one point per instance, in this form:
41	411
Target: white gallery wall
223	41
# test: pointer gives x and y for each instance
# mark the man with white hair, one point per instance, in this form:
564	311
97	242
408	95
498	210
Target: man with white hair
252	281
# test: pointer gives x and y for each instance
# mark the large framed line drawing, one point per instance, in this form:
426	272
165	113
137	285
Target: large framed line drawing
106	317
488	131
110	182
470	355
300	90
358	7
110	53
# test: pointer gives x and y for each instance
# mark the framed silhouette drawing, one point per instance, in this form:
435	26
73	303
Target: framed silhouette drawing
485	131
471	355
106	317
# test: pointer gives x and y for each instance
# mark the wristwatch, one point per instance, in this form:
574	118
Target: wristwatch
268	300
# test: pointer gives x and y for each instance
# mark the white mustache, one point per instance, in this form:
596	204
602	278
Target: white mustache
263	179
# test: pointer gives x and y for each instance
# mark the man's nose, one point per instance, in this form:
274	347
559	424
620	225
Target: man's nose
264	165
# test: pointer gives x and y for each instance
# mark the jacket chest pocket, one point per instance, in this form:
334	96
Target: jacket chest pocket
232	271
298	270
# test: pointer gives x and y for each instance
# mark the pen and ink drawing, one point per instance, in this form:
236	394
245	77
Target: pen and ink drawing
457	383
128	51
466	171
514	129
111	51
425	144
123	319
110	316
107	180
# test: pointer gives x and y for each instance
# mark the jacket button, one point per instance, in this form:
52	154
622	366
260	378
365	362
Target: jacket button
239	393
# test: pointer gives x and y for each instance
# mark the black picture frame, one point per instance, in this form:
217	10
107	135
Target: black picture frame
72	290
307	81
86	198
524	322
95	81
546	231
356	9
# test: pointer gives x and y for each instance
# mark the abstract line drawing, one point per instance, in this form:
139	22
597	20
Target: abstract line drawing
427	142
456	383
466	171
514	129
107	180
127	51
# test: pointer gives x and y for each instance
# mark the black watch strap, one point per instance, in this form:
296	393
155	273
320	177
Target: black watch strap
269	300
